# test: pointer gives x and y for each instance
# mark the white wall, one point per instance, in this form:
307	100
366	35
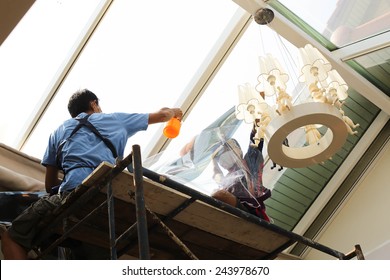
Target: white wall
364	219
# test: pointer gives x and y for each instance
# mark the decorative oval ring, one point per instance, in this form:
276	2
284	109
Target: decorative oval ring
300	115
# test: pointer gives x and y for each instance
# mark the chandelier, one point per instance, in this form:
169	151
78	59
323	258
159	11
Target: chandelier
319	116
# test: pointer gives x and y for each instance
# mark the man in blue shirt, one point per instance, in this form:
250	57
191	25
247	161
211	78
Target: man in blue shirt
76	147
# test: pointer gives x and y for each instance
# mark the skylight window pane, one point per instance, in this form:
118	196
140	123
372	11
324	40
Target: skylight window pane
140	58
31	56
222	94
375	67
343	21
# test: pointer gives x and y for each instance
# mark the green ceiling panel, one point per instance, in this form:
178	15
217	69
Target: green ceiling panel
304	198
297	175
285	199
296	187
330	166
321	172
336	160
318	174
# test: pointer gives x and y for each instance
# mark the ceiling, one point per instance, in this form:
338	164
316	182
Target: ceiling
10	14
138	56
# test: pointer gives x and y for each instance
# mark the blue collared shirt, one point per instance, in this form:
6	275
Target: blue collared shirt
84	151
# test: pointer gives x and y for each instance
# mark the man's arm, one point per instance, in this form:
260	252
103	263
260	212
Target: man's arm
164	115
51	178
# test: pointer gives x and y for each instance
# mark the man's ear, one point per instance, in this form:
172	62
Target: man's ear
93	106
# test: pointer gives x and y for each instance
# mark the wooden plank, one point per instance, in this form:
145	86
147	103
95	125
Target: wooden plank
213	230
162	200
226	225
205	245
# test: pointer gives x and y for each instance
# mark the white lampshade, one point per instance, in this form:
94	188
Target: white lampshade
251	104
272	75
337	83
314	66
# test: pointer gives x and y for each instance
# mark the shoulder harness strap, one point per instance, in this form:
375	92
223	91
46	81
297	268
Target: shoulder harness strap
84	122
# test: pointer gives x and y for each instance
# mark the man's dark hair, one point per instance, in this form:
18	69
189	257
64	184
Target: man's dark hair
80	102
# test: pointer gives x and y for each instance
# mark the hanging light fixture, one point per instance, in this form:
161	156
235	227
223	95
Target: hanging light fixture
251	104
321	111
314	66
272	75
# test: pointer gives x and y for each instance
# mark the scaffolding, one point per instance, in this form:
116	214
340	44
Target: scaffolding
141	214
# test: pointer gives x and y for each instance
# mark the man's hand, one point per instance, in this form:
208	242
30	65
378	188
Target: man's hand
51	178
165	114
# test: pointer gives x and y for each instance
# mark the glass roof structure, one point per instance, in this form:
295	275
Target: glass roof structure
139	56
